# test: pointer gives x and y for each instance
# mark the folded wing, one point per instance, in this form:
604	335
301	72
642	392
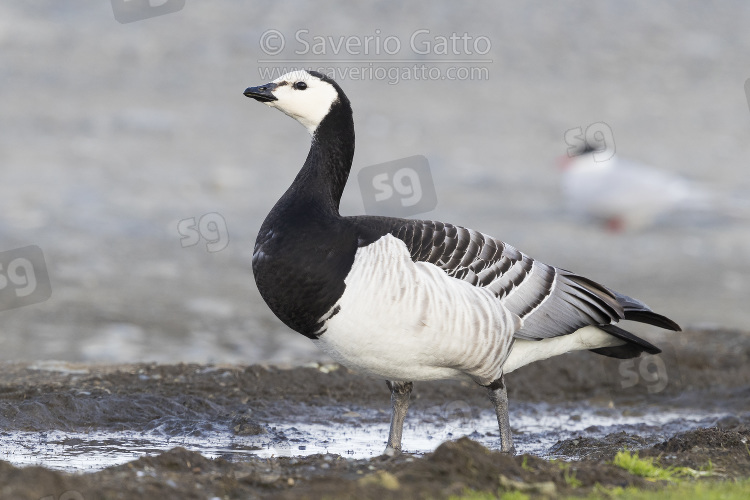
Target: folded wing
550	301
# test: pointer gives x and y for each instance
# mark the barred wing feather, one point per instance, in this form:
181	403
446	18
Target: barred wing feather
550	301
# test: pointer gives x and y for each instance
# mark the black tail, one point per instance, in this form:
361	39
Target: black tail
632	348
635	310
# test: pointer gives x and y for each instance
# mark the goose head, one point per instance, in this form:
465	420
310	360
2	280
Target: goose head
306	96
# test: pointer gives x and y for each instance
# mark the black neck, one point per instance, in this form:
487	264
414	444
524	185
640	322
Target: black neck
326	170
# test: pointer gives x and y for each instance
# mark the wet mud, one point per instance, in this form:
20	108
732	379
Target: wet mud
72	431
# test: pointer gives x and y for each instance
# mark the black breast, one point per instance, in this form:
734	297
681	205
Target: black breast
300	261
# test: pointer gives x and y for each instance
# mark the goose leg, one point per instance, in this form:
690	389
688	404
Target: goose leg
400	394
499	397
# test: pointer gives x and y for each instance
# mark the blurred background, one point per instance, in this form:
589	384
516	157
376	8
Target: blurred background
127	148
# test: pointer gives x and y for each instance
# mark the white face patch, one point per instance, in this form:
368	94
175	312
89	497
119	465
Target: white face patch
308	106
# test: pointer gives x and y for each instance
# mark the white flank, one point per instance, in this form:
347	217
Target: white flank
402	320
528	351
308	106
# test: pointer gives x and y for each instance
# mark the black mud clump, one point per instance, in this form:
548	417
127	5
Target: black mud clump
725	451
582	447
704	439
244	425
175	460
35	482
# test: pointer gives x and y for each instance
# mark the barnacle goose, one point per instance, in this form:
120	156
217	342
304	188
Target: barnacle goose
410	300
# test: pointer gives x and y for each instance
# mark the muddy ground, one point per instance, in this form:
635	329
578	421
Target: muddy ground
703	369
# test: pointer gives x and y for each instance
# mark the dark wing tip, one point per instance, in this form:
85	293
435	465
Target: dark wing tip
652	318
635	310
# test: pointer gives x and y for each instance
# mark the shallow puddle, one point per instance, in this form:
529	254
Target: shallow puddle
536	428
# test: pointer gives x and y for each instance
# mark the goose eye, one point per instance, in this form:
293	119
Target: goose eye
300	85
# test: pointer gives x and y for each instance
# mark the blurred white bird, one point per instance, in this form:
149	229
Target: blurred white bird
626	195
